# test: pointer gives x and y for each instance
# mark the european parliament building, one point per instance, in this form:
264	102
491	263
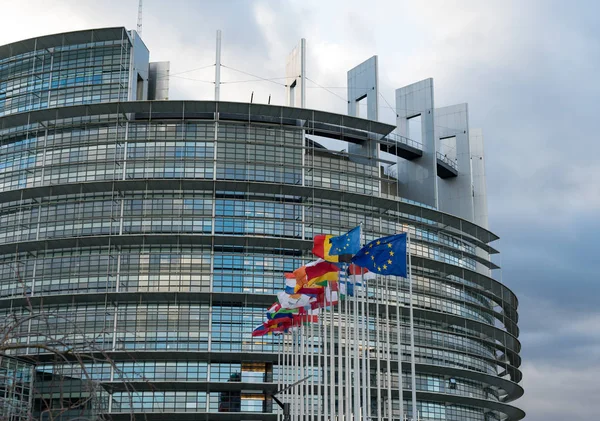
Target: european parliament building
142	239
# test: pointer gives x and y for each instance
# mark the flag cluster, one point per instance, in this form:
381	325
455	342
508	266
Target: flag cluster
317	285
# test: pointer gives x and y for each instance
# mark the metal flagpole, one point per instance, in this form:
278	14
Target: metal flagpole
309	370
300	371
279	361
412	334
323	383
313	379
287	365
318	331
283	368
368	351
332	362
292	374
296	376
363	322
306	370
311	354
399	334
288	372
347	359
340	386
388	347
356	344
377	347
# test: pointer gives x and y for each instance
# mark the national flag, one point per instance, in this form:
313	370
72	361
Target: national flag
384	256
332	294
356	274
322	248
319	272
345	244
311	317
314	274
274	308
290	283
347	288
282	313
311	291
328	296
293	300
260	331
299	277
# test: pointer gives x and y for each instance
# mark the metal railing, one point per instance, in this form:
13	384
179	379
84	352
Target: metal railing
451	163
394	137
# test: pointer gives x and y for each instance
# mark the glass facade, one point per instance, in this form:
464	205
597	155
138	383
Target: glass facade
16	387
156	241
85	71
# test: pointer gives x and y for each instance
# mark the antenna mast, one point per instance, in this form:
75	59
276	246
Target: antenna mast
139	21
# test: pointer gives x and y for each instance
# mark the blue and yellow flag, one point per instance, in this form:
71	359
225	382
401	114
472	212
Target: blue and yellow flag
348	243
384	256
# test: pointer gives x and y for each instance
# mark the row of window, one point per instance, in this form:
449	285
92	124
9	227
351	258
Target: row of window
177	225
57	78
193	401
195	327
190	402
254	372
64	97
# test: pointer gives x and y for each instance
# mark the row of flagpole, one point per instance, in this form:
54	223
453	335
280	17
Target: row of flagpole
349	397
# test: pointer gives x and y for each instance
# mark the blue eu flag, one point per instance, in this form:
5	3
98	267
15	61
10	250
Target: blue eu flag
348	243
384	256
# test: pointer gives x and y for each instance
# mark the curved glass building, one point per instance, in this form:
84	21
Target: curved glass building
141	241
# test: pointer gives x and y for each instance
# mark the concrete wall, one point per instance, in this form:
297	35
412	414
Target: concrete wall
418	178
455	194
363	83
480	207
295	73
158	80
139	69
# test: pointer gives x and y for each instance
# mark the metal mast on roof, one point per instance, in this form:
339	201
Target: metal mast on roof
139	21
218	67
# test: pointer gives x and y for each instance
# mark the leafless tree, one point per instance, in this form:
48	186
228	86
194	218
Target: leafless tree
70	391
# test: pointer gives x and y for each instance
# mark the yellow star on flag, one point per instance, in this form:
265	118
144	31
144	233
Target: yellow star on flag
379	269
391	253
378	242
385	266
389	245
390	261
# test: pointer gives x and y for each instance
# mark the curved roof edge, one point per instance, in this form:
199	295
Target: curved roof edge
62	38
179	109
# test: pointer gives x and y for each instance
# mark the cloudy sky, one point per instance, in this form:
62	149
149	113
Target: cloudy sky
530	73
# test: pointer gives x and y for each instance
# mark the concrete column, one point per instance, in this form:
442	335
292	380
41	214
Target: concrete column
480	208
455	194
158	81
417	179
363	83
139	69
295	73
